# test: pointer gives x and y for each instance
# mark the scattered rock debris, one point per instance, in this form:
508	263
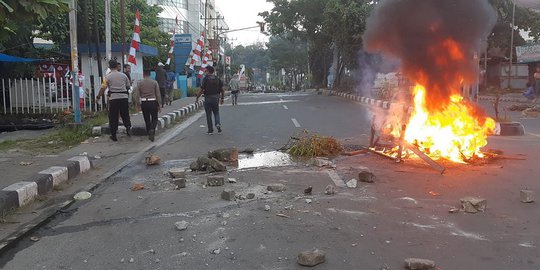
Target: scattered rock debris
311	258
177	173
276	187
35	238
181	225
527	196
267	207
365	175
308	190
228	195
473	204
179	183
330	190
215	180
250	196
152	159
225	154
231	180
136	187
353	183
419	264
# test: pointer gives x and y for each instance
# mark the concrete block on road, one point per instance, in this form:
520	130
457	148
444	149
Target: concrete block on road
59	174
173	116
527	196
419	264
44	182
84	163
96	131
228	195
179	183
26	191
177	172
161	123
167	119
215	180
473	204
8	201
276	187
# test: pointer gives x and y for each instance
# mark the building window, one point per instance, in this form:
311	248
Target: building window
174	3
168	25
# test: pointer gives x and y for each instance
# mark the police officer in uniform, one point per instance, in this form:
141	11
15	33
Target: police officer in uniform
147	97
212	88
119	85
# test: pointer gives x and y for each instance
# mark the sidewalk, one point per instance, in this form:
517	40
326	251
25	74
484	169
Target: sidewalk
27	175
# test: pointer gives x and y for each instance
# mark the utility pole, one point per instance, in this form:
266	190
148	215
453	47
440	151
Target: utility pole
74	59
123	29
511	46
108	52
98	53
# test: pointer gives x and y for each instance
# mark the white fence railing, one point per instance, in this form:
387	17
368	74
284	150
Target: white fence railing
40	95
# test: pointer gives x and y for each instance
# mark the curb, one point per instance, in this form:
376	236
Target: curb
522	100
24	192
502	129
164	121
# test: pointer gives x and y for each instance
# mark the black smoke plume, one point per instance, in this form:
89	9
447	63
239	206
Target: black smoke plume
436	41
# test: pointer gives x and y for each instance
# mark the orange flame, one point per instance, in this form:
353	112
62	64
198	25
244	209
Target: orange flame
455	131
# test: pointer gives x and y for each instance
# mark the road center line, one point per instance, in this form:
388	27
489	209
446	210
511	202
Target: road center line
285	107
296	124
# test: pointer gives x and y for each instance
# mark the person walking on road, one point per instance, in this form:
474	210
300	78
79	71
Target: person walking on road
234	86
170	84
537	81
161	78
118	84
148	98
212	88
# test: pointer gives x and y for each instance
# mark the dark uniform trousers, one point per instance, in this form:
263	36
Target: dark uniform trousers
118	106
150	114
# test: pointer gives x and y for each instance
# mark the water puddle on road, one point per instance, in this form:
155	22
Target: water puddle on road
264	159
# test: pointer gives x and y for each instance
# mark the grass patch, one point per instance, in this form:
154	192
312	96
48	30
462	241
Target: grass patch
8	144
192	91
65	136
314	145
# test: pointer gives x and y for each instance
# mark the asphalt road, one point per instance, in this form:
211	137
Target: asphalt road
375	226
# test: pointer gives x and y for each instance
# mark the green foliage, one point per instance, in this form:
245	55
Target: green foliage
56	28
8	144
18	15
255	57
177	94
315	146
192	91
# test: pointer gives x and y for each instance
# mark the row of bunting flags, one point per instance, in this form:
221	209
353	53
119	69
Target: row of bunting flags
196	58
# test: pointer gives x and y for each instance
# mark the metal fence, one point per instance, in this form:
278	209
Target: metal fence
40	95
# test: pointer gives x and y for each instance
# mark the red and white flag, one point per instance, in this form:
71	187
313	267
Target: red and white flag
171	50
206	61
197	53
136	39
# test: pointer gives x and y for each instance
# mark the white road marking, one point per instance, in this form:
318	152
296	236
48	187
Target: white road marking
295	122
335	178
533	134
263	102
285	107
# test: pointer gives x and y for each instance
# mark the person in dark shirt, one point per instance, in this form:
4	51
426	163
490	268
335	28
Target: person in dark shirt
161	78
212	88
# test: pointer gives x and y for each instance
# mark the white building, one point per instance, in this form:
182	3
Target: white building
190	17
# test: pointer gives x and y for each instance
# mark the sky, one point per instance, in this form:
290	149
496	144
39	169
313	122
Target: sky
243	13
